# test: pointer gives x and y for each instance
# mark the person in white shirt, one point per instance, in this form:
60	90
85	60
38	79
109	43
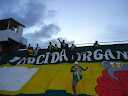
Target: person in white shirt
36	50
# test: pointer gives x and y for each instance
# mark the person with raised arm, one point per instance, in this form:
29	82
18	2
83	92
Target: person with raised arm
77	76
63	44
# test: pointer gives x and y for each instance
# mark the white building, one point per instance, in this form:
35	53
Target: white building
11	34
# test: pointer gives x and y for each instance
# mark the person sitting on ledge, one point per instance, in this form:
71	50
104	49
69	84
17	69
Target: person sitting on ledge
96	45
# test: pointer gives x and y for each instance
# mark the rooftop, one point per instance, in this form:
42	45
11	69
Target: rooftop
13	23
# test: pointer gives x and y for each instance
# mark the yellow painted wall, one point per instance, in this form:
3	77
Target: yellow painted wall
59	77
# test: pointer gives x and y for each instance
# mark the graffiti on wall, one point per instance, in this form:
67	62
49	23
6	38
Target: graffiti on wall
63	56
114	79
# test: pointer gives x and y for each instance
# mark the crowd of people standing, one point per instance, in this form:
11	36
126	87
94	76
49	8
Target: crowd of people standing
34	52
71	50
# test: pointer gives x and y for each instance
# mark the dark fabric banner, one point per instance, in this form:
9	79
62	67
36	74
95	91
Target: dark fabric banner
81	54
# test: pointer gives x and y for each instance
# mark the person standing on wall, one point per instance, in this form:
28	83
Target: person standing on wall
50	46
29	47
73	52
36	50
77	76
96	44
63	44
56	47
31	52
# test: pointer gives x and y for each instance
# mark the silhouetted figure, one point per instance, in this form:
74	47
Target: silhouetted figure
29	46
50	46
96	45
73	52
63	44
56	47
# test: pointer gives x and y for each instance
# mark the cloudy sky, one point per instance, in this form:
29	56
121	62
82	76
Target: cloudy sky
76	21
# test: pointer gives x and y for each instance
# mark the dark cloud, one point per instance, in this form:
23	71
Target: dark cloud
32	13
44	44
46	31
52	13
42	37
27	12
55	41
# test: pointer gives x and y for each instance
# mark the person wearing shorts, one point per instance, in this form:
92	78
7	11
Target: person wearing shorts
77	76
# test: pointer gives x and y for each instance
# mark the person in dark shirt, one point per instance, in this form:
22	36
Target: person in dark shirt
63	44
96	45
73	52
29	47
50	46
77	76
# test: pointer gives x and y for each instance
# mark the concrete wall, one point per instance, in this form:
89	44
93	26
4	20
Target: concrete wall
5	34
19	30
24	41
